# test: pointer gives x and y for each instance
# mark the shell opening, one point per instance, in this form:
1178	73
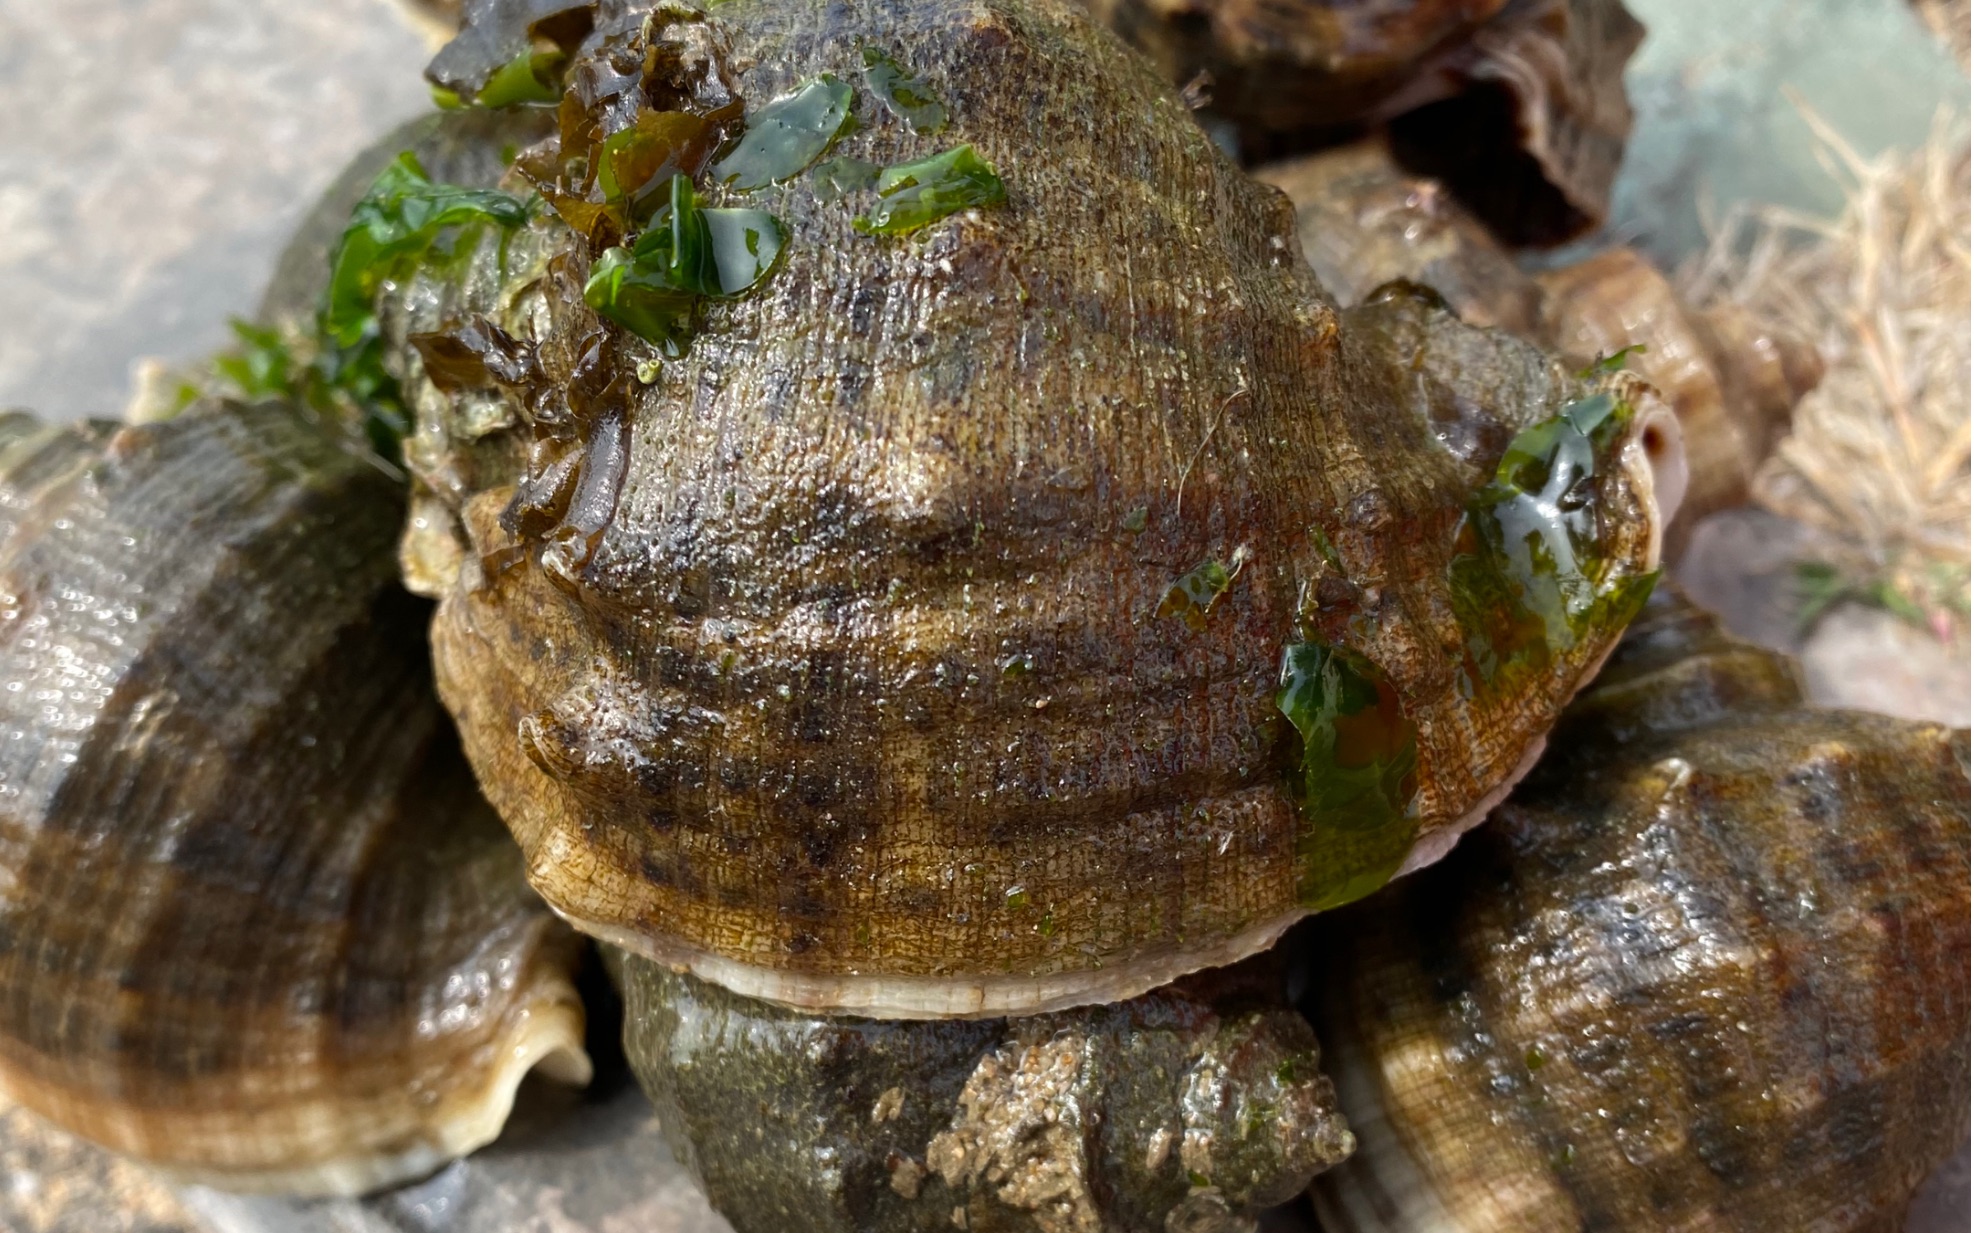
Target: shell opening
383	1151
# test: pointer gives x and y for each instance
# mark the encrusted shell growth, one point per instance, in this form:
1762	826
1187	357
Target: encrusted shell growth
258	927
1519	107
1707	969
1009	616
1189	1108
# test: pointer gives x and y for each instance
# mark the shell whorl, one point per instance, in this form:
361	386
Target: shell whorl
258	929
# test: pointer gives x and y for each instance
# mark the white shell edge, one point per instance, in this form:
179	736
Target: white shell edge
940	997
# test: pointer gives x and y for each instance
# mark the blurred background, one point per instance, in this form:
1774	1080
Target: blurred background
1787	154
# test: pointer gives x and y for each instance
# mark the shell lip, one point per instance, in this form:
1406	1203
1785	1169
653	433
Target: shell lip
942	997
1653	458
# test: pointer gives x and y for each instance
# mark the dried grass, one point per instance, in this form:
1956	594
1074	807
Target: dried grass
1947	19
1878	455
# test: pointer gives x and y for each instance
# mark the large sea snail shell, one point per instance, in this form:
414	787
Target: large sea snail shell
257	928
844	680
1707	969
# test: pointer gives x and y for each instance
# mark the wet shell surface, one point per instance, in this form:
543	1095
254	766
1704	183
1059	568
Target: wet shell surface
1707	970
1364	221
258	929
1191	1107
1015	615
1518	107
1733	381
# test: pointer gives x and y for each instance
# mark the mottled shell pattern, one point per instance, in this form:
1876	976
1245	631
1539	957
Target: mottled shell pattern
259	929
935	630
1706	970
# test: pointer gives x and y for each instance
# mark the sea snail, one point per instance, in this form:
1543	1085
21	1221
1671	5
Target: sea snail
1517	107
258	926
1705	969
1732	379
930	631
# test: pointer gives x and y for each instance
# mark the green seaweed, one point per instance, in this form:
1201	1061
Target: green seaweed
1193	594
635	166
1326	547
263	366
787	135
903	94
1604	365
1529	580
1355	779
531	77
916	195
689	253
403	222
337	371
839	177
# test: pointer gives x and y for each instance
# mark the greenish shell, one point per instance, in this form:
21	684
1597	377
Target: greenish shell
1191	1107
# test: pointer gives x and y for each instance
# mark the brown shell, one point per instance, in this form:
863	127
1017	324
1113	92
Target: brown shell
1519	108
259	929
1707	970
843	680
1365	221
1535	125
1732	381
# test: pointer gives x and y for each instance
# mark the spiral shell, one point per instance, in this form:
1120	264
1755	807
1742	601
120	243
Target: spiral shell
1732	380
1707	970
256	926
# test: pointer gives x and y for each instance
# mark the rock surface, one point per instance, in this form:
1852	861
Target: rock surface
1742	564
156	156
